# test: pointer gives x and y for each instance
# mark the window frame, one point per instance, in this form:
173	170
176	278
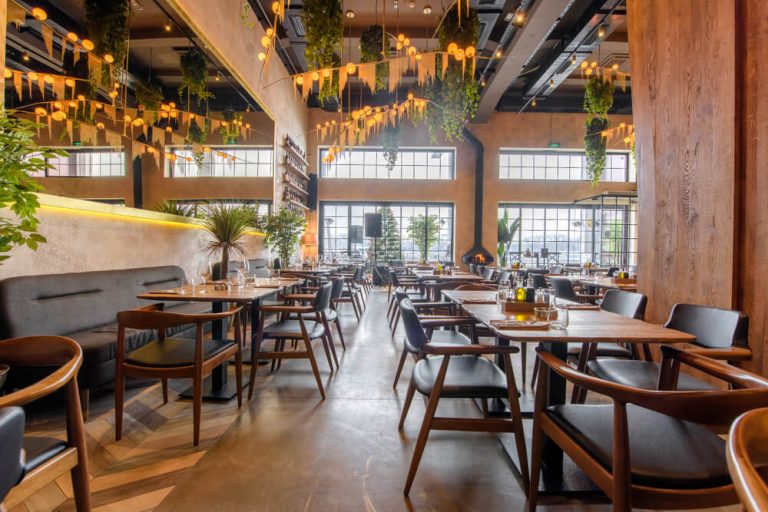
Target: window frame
169	169
74	150
629	175
378	163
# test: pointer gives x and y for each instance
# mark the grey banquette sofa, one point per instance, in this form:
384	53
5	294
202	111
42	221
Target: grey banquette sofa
83	306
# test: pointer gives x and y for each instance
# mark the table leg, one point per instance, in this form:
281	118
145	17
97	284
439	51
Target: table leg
552	460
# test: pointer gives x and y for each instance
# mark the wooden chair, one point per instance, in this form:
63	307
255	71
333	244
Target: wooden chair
287	329
458	371
720	334
649	448
564	290
748	459
174	358
48	459
11	449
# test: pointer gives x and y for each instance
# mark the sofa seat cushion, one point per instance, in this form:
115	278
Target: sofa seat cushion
173	352
641	374
38	450
664	451
467	377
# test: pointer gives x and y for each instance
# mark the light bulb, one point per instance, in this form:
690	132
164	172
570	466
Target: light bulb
427	10
351	68
452	47
39	13
87	44
262	56
168	27
109	59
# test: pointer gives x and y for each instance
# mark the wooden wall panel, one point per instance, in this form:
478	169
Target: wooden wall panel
753	262
683	99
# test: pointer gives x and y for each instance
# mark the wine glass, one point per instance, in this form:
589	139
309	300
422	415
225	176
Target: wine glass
204	272
241	266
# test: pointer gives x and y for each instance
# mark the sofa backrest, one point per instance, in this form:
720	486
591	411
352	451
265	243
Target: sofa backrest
67	303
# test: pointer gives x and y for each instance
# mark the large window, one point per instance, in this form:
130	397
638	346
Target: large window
222	162
86	162
263	206
342	228
370	163
602	230
562	165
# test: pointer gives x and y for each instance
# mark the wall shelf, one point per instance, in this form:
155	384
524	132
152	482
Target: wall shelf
296	170
297	204
290	185
295	154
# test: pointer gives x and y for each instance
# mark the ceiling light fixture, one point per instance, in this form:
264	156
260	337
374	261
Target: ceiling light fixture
168	27
533	103
601	31
411	4
25	57
39	13
350	14
427	9
396	5
519	19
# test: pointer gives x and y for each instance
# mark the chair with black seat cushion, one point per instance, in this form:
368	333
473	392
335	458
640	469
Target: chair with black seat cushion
612	272
539	281
458	371
291	329
648	448
488	274
46	458
172	357
564	290
747	458
472	268
431	323
11	449
720	334
503	275
321	300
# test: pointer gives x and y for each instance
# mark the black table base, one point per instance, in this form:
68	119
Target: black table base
216	391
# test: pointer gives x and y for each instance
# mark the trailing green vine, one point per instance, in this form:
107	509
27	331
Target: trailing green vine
230	134
198	136
323	23
598	100
390	141
370	51
194	76
149	97
106	22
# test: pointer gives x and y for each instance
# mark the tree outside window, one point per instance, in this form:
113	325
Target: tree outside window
425	232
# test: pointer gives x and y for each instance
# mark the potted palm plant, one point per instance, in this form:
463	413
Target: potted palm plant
228	224
283	230
507	233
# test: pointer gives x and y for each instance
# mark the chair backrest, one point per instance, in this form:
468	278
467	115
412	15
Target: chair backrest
11	435
556	269
713	327
358	274
472	268
612	271
747	457
539	281
400	294
323	297
488	274
153	317
337	288
393	277
629	304
503	275
563	288
415	336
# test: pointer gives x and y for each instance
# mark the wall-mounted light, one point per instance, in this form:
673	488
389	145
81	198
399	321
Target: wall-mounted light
350	14
411	4
601	31
533	102
427	9
519	19
168	26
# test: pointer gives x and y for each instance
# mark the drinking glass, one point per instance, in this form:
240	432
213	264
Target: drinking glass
204	273
559	318
184	288
504	288
235	278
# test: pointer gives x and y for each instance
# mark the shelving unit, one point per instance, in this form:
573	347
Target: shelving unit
295	179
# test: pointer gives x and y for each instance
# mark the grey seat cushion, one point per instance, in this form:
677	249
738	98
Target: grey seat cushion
39	450
664	451
291	329
641	374
603	350
172	352
467	377
449	337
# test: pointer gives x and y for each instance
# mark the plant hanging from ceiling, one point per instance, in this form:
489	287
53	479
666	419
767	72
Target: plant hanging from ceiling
371	41
455	95
230	133
390	142
598	100
323	23
198	136
106	22
194	77
149	97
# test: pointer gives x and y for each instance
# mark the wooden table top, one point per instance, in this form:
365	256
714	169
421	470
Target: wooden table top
239	294
584	326
600	282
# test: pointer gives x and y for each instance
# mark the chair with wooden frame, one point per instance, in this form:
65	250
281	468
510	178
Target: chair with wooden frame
325	315
720	334
174	358
396	281
47	459
649	448
748	458
459	371
288	329
564	290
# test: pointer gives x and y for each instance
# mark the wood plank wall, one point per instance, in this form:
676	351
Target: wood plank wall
702	148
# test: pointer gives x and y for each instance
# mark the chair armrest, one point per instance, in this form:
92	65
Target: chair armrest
299	296
727	354
446	349
432	305
286	309
446	321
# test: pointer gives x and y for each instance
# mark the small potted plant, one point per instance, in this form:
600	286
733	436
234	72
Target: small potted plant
228	225
283	230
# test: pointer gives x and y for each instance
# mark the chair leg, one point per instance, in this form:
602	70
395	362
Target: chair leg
119	399
354	307
164	383
197	404
400	365
426	426
341	334
239	374
255	349
324	343
534	376
397	321
537	449
517	420
407	404
315	369
524	361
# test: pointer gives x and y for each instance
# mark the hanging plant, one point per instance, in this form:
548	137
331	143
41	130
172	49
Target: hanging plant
106	22
598	100
323	23
197	136
390	141
230	133
454	97
149	97
371	51
194	76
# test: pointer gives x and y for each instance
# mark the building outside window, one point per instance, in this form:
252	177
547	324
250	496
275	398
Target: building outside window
249	162
342	229
370	163
86	162
522	164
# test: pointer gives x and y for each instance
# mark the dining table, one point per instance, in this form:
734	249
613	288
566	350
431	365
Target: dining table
218	387
604	282
587	325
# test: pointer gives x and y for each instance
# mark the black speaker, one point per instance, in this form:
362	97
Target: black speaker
312	201
372	225
356	234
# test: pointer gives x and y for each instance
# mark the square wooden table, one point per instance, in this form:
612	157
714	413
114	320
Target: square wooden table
218	387
584	326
